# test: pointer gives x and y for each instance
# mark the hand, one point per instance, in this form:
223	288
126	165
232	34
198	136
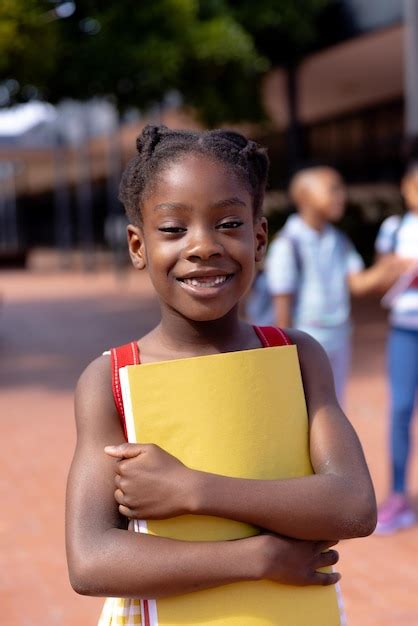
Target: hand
150	483
295	562
391	267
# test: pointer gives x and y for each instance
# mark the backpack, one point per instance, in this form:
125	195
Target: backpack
295	245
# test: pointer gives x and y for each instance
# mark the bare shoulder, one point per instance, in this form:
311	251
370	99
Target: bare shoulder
98	372
307	346
95	408
318	380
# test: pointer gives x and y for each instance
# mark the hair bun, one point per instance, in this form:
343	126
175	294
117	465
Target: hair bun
149	138
250	149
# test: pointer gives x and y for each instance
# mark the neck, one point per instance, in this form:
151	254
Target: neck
313	220
188	337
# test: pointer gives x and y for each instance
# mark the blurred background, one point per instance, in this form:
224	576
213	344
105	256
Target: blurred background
318	80
329	81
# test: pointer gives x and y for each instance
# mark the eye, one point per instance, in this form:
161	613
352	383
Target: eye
230	225
172	230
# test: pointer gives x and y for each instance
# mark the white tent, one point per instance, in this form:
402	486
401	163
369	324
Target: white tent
29	123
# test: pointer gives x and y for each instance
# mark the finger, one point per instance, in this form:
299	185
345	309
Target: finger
119	496
126	511
324	579
124	450
327	558
118	481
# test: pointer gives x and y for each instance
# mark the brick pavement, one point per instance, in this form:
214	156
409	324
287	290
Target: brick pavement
48	333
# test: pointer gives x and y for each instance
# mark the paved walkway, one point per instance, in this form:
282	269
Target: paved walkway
51	326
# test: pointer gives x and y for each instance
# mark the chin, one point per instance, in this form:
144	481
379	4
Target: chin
205	316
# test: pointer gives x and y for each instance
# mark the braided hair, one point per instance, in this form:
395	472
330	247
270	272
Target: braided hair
158	147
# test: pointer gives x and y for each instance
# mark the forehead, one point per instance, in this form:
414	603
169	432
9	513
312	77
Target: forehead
329	176
197	179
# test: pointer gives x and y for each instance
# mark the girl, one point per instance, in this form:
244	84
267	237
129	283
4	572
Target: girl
194	203
399	235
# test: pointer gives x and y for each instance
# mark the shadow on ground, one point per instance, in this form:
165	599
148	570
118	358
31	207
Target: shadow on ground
48	343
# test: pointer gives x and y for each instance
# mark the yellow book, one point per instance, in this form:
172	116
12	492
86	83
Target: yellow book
239	414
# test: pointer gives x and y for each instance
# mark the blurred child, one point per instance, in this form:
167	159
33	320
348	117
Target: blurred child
258	307
313	268
399	235
194	204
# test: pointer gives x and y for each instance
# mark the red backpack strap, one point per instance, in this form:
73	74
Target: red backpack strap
271	336
122	356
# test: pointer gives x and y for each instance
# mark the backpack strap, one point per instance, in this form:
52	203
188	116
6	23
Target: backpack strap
128	354
295	246
271	336
395	235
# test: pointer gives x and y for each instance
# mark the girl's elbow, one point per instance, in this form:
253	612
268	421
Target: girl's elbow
362	518
368	520
84	578
80	583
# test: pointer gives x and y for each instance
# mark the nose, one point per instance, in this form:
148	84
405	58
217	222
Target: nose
203	245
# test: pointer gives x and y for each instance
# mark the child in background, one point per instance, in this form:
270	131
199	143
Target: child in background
313	268
399	235
194	204
258	306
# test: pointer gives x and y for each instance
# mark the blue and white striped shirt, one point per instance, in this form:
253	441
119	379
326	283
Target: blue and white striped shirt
400	235
318	279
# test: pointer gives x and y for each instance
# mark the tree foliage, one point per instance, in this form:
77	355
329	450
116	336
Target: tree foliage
212	51
27	43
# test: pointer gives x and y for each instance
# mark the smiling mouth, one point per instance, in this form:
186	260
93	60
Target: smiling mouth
205	282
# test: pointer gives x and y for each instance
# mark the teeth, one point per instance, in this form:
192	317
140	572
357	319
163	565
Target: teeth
205	282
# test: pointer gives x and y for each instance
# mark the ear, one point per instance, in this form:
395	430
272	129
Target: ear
261	237
136	246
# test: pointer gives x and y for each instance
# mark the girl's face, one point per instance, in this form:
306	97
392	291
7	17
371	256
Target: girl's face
198	238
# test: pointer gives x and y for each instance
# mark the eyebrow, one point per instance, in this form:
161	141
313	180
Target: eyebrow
229	202
172	205
222	204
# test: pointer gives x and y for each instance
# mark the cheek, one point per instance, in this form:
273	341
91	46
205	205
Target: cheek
246	251
320	200
161	259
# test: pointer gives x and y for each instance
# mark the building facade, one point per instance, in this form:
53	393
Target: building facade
351	94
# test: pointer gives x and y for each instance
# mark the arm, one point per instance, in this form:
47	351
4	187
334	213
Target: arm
106	559
380	276
283	306
283	278
302	508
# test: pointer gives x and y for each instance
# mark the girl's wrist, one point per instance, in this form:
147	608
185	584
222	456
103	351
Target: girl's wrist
261	551
247	558
196	492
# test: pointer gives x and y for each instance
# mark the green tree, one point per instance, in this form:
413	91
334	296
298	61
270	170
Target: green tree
283	32
213	51
27	42
140	51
